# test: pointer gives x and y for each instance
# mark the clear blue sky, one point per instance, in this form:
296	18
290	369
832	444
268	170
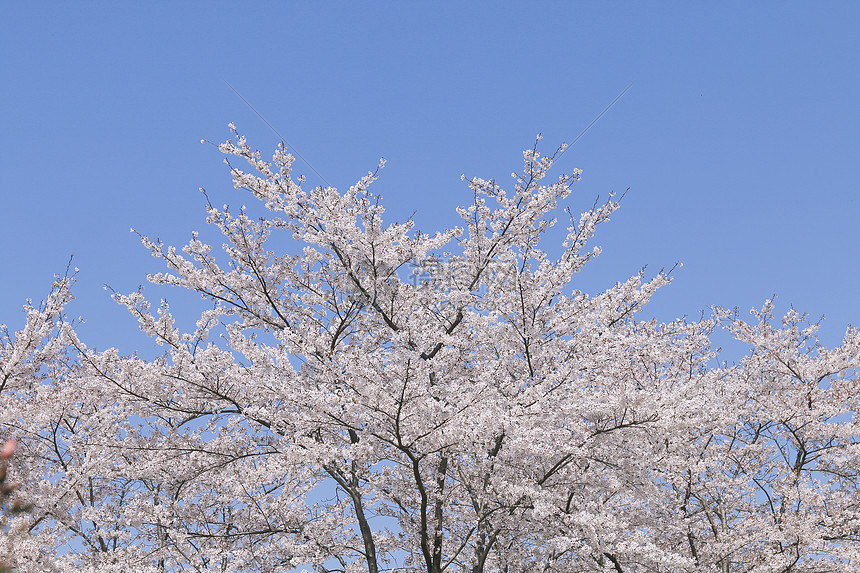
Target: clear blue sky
739	138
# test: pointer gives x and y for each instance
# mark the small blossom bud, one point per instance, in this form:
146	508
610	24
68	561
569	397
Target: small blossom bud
8	449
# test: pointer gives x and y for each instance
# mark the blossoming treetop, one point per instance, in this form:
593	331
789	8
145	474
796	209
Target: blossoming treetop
328	413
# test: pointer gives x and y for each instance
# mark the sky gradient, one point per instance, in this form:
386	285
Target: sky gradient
739	138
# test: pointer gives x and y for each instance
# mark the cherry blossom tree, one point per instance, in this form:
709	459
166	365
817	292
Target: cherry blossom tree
330	411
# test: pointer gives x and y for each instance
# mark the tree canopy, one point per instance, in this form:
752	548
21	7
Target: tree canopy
375	398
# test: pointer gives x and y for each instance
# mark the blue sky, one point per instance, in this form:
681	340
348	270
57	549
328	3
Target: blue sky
739	138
